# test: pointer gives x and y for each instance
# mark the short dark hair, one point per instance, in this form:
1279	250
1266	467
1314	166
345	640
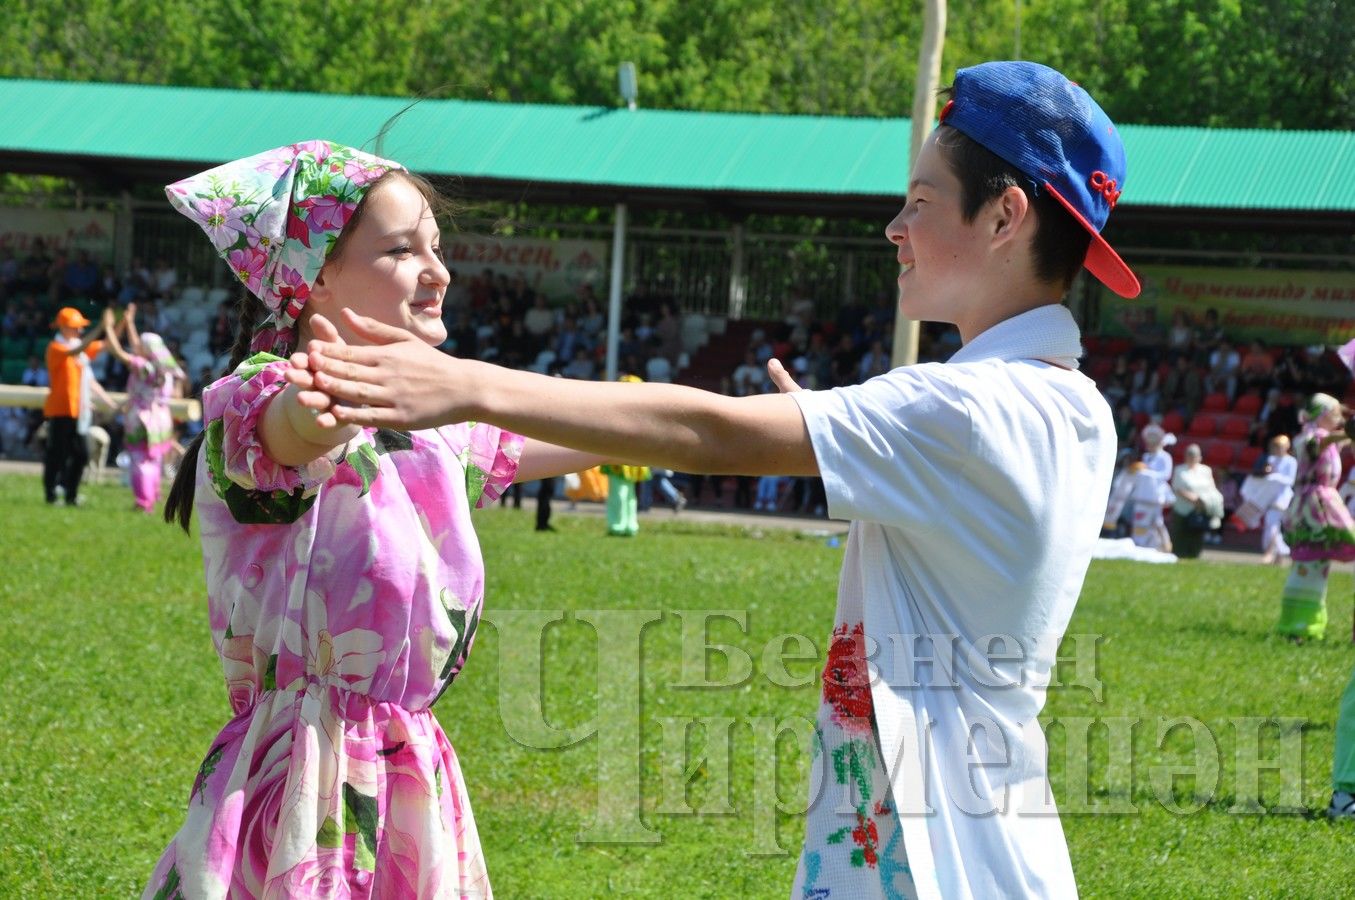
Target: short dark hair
1060	244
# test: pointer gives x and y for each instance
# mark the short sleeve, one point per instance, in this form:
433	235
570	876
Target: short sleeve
491	460
892	450
237	402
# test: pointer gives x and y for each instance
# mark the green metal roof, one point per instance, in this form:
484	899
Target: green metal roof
175	128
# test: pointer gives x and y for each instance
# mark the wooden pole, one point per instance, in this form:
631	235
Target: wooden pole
924	110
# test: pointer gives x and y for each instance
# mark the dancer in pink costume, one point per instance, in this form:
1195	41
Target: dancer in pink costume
155	378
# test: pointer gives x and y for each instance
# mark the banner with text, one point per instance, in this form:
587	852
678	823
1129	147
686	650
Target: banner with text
61	231
555	267
1279	306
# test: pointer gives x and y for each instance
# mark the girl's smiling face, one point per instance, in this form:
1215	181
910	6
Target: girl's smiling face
389	268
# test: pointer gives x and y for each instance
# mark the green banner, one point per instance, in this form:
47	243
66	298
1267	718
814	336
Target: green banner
1278	306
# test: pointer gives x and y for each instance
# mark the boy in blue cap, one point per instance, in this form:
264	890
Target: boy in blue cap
974	488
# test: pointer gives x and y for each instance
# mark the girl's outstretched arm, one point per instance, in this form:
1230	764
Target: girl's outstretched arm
401	382
542	460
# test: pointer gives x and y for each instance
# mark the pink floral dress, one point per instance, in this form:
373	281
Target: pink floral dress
1318	526
150	427
344	599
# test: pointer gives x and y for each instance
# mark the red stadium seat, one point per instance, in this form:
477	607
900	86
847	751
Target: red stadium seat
1246	458
1099	368
1247	405
1177	452
1218	455
1234	426
1172	423
1202	426
1141	419
1215	402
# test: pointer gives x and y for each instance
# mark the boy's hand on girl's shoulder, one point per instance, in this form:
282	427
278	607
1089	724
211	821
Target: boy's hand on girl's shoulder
393	380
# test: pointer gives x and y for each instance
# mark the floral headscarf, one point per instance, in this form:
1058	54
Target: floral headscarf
1318	405
274	218
162	361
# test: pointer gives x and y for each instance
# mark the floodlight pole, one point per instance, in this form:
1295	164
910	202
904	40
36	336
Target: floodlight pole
924	109
614	295
626	82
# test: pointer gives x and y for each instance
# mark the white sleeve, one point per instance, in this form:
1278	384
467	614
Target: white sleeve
891	450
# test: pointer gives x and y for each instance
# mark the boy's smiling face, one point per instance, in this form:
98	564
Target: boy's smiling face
936	246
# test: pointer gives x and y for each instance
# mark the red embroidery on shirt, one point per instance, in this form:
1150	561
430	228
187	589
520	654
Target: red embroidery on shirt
846	680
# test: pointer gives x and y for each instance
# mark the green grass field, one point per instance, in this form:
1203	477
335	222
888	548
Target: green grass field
113	693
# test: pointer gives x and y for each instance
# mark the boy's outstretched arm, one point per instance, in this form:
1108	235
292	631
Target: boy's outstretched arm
399	381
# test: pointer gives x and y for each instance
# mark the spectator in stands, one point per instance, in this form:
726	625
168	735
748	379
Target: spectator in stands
462	340
56	274
79	277
1115	386
1256	371
539	320
1183	388
749	378
221	333
33	268
875	362
592	320
136	282
1221	378
164	280
457	296
9	271
581	367
569	339
1180	336
517	348
657	367
1145	393
1208	337
109	287
668	331
1279	416
1126	432
845	360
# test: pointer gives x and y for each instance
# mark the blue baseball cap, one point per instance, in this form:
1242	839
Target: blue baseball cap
1054	132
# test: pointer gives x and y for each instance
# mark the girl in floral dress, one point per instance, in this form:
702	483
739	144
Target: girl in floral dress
344	579
1318	527
154	377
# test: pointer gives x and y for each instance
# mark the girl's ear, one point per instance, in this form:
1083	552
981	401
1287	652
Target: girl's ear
321	292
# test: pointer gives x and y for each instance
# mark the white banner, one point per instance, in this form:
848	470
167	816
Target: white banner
61	230
560	265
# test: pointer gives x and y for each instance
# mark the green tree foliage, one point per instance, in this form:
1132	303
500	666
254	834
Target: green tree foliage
1258	63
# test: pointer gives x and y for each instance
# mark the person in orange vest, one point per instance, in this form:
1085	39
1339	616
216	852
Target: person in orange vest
68	406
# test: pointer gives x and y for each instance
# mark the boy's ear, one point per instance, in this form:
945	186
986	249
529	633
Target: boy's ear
1009	212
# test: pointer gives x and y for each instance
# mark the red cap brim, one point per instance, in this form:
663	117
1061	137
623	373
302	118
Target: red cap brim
1102	261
